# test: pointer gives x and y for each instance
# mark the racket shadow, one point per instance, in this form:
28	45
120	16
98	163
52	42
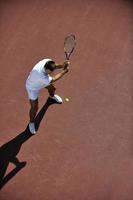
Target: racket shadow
10	150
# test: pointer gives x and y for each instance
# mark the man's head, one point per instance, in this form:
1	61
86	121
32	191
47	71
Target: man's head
50	66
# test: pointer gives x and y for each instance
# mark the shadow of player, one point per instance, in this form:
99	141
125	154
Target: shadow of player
10	150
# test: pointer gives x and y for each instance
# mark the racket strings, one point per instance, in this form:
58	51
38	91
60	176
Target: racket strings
69	44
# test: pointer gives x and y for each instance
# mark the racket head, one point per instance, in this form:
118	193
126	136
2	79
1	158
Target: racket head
69	45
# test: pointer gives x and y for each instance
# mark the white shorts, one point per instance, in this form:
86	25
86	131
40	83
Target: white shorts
32	94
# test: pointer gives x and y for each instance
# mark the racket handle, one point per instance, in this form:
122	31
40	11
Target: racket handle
66	63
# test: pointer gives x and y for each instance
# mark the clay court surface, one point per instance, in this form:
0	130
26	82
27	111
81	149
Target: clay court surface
83	149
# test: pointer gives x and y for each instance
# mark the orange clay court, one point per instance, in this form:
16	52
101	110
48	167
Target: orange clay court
83	149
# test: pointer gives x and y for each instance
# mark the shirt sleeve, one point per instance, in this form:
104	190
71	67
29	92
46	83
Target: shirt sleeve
48	80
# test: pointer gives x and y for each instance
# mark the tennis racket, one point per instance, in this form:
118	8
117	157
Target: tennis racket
69	45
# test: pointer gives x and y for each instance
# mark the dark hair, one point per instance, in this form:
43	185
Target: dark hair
50	65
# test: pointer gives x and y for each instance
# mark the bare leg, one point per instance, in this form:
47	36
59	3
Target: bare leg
33	109
51	90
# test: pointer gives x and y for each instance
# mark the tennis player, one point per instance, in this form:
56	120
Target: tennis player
41	76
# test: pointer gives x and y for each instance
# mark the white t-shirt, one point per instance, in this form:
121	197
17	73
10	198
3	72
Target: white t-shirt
38	78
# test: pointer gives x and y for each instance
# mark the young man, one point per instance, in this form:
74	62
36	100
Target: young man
41	77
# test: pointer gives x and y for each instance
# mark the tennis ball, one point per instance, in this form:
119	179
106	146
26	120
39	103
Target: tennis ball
66	99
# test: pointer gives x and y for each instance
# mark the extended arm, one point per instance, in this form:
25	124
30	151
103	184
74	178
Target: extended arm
64	65
59	66
59	75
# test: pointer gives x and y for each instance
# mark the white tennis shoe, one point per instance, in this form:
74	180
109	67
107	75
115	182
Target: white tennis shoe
32	127
57	98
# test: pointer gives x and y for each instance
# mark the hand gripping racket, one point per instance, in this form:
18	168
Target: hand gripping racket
69	45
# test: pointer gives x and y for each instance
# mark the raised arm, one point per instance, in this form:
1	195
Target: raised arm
64	65
59	75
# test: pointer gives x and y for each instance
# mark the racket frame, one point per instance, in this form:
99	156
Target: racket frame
69	54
